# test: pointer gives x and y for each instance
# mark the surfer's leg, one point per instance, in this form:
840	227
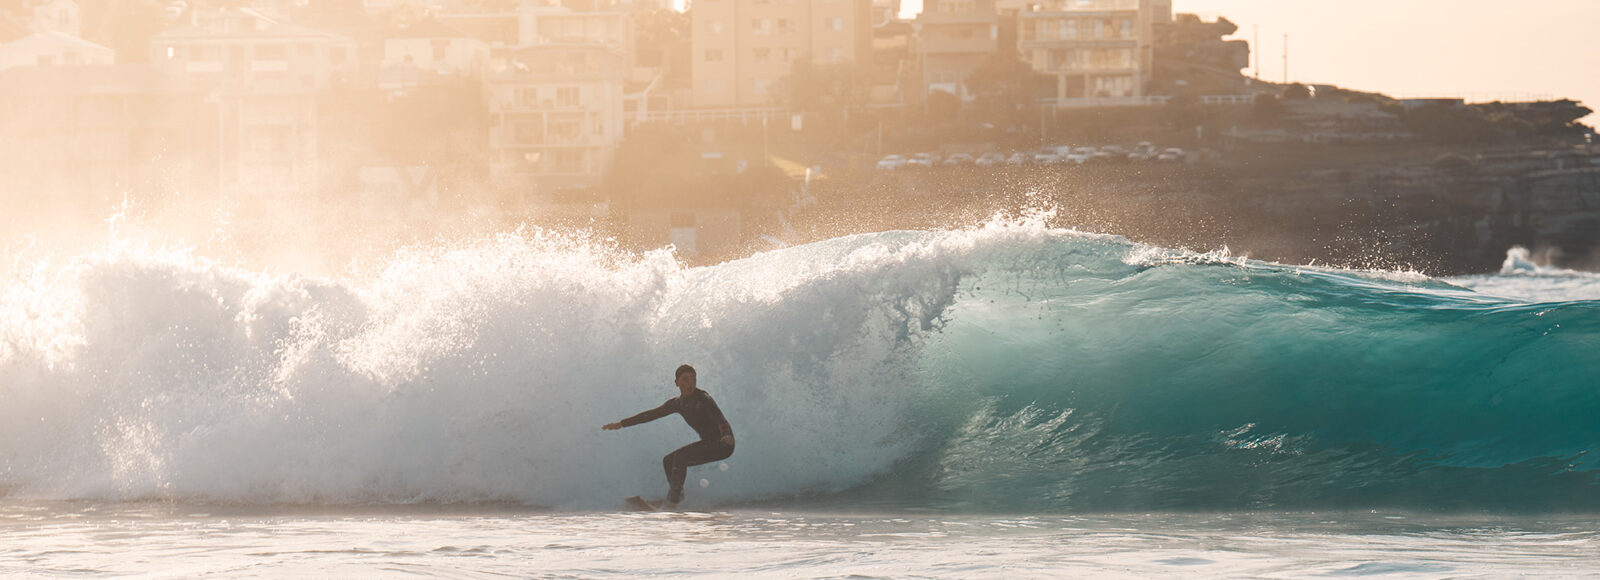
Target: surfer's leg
678	462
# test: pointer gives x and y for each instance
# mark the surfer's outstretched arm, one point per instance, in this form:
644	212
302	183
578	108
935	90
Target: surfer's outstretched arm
665	409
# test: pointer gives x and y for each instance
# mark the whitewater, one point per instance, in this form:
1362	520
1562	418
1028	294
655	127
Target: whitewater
998	401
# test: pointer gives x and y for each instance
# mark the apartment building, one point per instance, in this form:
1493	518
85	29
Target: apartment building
741	49
543	22
53	48
259	78
556	117
428	50
54	16
885	11
72	138
954	37
1093	48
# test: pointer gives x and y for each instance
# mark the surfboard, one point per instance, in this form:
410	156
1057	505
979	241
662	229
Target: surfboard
639	504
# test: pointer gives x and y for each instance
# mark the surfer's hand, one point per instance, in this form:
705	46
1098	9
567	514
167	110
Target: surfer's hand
728	439
612	426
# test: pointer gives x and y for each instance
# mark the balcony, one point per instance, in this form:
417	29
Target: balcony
1090	5
957	18
1031	43
959	46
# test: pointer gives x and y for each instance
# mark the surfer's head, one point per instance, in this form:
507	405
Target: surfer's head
684	377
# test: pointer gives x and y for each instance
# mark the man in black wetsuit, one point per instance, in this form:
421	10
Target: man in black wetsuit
702	414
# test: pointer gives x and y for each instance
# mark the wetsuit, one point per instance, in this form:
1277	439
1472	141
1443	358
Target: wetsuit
706	419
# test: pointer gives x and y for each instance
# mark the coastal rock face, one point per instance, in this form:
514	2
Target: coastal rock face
1416	215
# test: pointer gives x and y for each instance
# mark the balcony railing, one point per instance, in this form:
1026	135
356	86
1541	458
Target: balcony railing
958	45
1089	5
742	115
1147	101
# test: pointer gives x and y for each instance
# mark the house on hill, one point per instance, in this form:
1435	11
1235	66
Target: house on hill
421	51
53	48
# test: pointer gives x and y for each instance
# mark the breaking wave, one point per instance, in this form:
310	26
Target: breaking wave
1009	367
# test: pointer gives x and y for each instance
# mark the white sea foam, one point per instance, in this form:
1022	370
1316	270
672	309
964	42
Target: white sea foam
479	371
1521	277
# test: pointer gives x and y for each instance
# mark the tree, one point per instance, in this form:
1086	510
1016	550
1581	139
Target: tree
830	89
943	106
1005	88
663	40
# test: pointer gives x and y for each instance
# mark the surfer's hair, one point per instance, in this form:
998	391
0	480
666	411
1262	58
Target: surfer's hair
682	369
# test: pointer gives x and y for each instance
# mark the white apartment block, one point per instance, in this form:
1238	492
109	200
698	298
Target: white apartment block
72	137
53	48
537	22
954	38
428	49
741	49
260	77
556	114
1093	48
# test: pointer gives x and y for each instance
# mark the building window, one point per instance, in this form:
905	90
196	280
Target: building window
567	97
762	55
713	55
835	55
1127	28
716	27
761	86
835	24
714	85
271	51
1068	30
528	97
440	45
760	27
528	133
785	26
566	129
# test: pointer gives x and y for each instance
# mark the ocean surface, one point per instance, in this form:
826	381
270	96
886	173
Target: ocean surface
1002	401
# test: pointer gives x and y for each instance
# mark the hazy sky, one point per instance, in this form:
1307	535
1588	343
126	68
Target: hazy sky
1425	47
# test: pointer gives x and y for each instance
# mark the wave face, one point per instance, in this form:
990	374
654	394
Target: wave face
1007	368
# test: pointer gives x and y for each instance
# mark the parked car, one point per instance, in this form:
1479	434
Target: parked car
1172	155
958	159
1019	158
1080	155
990	159
1045	158
1144	151
923	160
891	162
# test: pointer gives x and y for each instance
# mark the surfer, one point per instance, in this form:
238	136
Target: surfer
702	414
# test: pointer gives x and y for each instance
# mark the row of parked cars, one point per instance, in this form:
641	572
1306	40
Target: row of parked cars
1050	156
